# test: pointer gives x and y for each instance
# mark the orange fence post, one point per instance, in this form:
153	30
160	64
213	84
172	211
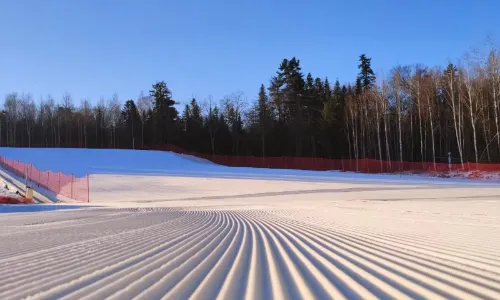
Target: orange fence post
88	188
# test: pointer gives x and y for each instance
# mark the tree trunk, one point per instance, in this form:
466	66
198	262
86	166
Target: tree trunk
472	106
347	133
354	138
412	155
400	137
377	124
386	134
495	109
422	156
142	134
429	107
456	123
263	141
28	131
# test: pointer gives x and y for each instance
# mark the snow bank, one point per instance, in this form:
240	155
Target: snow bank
10	195
477	175
81	162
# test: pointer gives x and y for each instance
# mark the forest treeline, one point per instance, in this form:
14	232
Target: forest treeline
415	113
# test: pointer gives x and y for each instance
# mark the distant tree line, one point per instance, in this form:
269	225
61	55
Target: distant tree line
416	113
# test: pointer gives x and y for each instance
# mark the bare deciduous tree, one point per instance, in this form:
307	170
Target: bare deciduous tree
12	111
27	112
144	106
212	119
114	109
86	112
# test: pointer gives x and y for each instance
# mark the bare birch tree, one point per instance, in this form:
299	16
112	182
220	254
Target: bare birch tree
12	111
86	112
144	106
27	112
451	91
493	66
397	86
471	99
114	109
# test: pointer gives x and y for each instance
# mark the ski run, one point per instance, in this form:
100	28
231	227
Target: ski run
222	233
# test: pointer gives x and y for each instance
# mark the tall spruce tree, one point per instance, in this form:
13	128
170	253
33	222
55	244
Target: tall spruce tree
294	93
264	114
164	112
366	75
131	119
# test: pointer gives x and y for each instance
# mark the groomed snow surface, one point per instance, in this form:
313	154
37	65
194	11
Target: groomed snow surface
160	225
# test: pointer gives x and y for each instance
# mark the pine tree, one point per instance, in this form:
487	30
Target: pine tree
327	91
186	118
195	131
212	124
338	99
196	113
264	116
366	75
359	86
131	119
294	94
164	112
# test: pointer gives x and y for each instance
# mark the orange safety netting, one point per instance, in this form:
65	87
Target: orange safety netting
324	164
61	184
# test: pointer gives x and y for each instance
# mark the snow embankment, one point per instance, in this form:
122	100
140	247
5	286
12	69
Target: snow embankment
81	162
10	195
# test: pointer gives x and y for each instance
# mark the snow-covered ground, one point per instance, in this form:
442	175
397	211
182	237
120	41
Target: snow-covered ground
7	190
171	226
9	194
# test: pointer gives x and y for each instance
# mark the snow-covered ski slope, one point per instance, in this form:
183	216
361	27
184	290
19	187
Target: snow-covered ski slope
161	225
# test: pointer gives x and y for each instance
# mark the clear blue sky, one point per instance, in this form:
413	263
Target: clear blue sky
94	48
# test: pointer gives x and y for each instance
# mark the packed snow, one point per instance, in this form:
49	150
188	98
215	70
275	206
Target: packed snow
7	190
9	194
161	225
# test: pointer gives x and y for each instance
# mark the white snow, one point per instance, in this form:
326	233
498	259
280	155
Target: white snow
162	225
7	190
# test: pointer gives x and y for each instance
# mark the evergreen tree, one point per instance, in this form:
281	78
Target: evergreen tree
366	75
359	86
186	118
196	114
327	91
264	115
164	112
277	94
213	125
294	95
131	119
